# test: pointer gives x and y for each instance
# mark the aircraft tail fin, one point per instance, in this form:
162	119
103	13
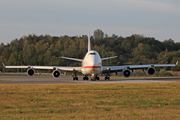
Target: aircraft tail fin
89	43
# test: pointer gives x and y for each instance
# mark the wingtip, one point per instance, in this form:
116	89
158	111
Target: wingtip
3	64
176	63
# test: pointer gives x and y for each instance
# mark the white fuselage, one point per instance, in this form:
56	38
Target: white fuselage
92	63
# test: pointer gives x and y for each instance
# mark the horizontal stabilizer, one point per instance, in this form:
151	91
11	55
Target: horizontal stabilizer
75	59
109	58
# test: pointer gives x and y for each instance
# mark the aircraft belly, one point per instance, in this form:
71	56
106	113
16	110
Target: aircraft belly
90	71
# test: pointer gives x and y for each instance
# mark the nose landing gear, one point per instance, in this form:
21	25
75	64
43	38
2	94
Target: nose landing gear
94	78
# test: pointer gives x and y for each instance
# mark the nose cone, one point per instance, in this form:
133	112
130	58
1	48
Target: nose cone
92	61
92	58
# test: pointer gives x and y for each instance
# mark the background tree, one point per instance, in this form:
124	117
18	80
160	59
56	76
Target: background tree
98	34
47	50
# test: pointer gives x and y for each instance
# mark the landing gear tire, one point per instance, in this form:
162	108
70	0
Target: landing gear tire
107	78
93	79
85	78
75	78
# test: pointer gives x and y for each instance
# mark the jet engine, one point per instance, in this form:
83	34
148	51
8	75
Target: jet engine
126	73
30	71
56	73
151	70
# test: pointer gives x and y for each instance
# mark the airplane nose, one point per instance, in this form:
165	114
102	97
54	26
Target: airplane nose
93	62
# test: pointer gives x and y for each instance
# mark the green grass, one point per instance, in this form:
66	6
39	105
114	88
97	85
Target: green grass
91	101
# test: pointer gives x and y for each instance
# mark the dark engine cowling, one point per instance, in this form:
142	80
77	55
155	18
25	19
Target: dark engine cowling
56	73
30	71
151	70
126	73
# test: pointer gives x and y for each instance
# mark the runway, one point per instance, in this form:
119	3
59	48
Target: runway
68	80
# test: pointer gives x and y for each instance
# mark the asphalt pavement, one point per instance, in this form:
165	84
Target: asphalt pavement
69	80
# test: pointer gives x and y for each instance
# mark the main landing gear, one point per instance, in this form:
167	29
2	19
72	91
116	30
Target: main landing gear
75	78
74	75
93	78
107	78
108	74
85	78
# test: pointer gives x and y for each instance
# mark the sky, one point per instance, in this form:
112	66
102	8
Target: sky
152	18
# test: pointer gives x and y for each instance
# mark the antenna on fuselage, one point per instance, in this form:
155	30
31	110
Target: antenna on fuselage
89	43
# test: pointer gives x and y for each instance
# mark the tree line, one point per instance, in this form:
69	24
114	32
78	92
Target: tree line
47	50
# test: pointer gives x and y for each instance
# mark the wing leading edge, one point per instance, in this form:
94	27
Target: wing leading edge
47	67
132	67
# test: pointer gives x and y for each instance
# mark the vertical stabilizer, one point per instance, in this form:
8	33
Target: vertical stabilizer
89	43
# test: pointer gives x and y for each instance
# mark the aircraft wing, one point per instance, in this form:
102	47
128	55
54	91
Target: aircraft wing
47	67
132	67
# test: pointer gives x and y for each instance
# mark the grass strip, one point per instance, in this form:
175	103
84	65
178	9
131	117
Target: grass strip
91	101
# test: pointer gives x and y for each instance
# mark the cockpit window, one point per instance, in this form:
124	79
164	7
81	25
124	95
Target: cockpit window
92	53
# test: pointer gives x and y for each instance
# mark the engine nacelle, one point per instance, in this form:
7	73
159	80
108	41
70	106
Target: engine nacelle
30	71
151	70
56	73
126	73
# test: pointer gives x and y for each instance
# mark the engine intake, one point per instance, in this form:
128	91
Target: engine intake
151	70
30	71
126	73
56	73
